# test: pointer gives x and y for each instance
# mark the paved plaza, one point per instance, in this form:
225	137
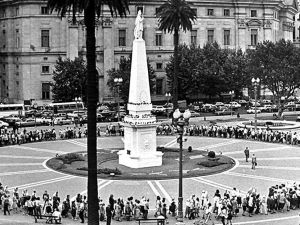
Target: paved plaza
24	167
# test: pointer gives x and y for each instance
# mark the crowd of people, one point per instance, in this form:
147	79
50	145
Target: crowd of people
23	135
204	208
224	131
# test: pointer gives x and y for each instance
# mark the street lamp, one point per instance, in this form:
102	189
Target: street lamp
255	83
168	96
180	120
231	96
77	99
118	82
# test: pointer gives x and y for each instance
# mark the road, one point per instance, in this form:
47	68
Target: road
24	167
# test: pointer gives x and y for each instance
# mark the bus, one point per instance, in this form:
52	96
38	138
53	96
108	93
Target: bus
12	109
66	107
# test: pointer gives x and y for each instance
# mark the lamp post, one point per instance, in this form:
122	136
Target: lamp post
118	82
77	99
168	95
231	96
180	120
255	83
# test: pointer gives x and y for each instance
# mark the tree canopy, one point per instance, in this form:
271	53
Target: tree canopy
69	80
278	66
209	70
124	73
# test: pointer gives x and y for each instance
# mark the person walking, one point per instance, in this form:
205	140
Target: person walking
108	214
254	162
247	152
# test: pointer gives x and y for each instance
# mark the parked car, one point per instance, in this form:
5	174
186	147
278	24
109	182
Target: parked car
28	122
266	108
219	104
224	112
266	101
208	108
194	114
235	105
3	124
62	121
158	109
252	110
252	103
243	102
11	120
44	120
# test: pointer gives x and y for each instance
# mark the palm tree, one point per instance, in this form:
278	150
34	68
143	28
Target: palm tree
173	16
91	9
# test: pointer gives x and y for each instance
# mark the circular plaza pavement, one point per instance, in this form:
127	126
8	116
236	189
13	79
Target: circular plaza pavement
24	166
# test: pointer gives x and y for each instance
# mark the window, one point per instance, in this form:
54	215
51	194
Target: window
45	38
17	11
45	69
158	66
158	38
122	37
159	86
195	11
194	37
44	10
226	12
253	37
138	8
45	90
210	36
156	11
253	13
226	37
210	12
17	38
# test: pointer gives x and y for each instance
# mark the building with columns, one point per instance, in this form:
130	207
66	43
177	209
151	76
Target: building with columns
32	38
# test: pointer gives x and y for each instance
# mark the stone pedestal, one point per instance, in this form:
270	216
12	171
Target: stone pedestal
139	125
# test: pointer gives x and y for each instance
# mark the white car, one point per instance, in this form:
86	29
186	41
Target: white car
62	121
219	104
252	110
3	124
158	109
235	105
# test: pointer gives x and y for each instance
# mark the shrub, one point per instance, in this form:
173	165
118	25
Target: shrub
108	171
56	164
70	157
210	163
211	154
190	149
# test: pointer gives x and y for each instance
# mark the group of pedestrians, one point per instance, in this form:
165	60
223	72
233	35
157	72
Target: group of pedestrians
205	208
253	158
224	131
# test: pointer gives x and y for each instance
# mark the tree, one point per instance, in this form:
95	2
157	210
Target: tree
277	65
173	16
209	70
124	73
69	78
189	59
91	8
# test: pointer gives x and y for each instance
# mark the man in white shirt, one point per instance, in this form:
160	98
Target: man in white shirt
57	217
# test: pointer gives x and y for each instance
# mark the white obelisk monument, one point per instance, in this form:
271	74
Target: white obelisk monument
139	124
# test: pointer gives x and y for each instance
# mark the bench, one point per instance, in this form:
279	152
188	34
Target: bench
49	218
158	221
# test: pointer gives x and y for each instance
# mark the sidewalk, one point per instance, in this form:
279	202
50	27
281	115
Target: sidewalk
271	219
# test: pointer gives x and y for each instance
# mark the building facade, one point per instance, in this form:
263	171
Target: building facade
32	38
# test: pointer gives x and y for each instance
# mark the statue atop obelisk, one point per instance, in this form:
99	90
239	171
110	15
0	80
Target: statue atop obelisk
139	124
